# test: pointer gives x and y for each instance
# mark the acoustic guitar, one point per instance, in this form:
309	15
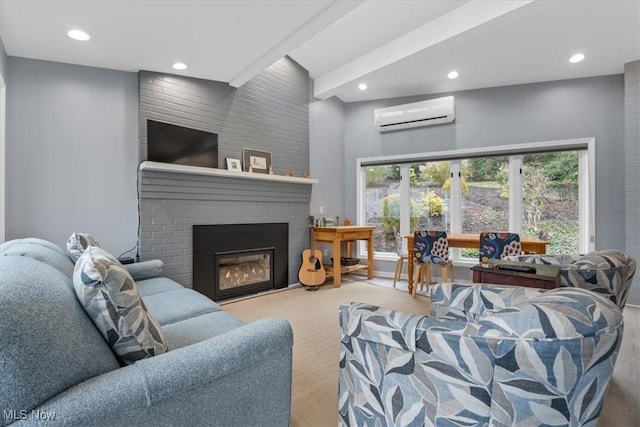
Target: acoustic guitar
312	273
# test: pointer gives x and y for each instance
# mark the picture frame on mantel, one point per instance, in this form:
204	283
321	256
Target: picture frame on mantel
234	164
256	161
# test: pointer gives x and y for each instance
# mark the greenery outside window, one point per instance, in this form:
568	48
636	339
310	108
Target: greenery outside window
542	190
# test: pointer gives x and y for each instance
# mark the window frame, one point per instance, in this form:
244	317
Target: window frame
585	146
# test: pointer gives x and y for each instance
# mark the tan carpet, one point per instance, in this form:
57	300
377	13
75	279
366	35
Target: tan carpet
314	318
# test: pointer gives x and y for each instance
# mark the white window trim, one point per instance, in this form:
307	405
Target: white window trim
587	183
515	193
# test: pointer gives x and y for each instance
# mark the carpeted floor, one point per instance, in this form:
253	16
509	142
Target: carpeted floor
313	316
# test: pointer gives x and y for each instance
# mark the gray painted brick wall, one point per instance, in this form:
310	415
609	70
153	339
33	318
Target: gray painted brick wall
268	113
632	169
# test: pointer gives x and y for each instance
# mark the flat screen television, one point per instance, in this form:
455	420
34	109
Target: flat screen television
168	143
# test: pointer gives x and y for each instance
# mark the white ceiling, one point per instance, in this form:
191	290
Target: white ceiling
396	47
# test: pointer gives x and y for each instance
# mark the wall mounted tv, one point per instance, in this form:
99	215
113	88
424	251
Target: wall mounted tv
168	143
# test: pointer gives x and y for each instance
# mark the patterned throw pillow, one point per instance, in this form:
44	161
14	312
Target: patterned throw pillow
77	243
111	299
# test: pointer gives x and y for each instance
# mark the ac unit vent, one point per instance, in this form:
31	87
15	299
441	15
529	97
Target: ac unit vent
416	114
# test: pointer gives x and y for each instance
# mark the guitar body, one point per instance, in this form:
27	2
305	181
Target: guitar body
312	272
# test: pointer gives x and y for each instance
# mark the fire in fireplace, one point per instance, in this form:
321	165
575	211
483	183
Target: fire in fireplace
239	259
238	269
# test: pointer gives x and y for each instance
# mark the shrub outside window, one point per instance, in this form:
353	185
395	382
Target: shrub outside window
542	194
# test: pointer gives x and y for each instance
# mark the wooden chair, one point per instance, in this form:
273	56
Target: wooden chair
431	247
403	255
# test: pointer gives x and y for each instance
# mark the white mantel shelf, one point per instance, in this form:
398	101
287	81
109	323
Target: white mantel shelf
196	170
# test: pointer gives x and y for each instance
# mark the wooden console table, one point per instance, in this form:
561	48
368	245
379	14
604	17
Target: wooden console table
345	233
545	277
472	240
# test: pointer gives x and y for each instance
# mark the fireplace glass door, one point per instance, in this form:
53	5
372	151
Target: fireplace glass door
241	271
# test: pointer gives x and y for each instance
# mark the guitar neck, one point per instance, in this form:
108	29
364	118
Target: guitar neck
312	240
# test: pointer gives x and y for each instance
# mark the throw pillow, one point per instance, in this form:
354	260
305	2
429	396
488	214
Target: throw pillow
111	299
77	243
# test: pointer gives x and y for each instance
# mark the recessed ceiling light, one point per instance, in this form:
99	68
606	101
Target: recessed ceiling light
78	35
180	66
453	75
362	86
576	58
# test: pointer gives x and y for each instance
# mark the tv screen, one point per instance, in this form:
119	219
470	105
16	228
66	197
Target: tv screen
182	146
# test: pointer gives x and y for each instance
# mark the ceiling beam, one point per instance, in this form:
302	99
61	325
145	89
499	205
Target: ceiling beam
304	32
449	25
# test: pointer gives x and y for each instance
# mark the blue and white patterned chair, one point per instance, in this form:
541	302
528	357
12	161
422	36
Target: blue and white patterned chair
609	271
498	356
431	247
497	245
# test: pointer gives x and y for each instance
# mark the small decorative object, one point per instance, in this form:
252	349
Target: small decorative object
337	220
256	161
289	172
271	170
346	261
347	222
306	175
233	164
328	220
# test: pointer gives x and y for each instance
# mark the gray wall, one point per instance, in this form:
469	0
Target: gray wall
269	113
632	168
591	107
326	136
72	144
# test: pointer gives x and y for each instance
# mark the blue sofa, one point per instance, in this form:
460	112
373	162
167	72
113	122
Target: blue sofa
55	365
488	355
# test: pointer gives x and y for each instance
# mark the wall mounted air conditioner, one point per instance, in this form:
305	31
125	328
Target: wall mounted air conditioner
416	114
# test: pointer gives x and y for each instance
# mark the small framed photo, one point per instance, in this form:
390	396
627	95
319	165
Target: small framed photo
256	161
233	164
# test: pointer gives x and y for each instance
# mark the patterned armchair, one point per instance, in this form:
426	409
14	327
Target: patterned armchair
494	245
499	356
609	271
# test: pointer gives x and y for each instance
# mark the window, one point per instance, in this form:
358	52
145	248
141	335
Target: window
542	190
382	205
550	199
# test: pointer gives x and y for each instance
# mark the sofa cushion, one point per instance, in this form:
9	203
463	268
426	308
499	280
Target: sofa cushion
78	243
199	328
110	297
157	285
181	304
41	253
47	342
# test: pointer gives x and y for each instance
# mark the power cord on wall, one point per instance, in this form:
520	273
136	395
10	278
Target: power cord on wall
122	258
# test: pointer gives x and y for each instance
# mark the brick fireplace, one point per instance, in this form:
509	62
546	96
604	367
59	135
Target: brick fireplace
172	203
269	113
